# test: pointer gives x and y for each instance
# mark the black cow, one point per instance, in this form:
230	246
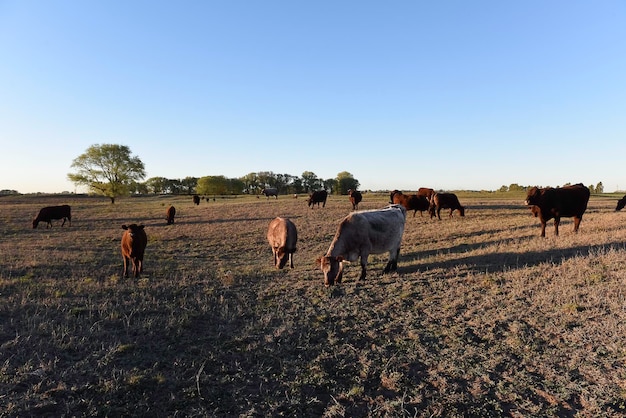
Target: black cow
270	191
318	197
196	199
445	201
557	203
49	213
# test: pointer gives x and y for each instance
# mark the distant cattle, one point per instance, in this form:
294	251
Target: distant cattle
318	197
426	192
49	213
282	236
270	191
411	202
134	241
169	215
355	198
196	199
363	233
445	201
557	203
621	203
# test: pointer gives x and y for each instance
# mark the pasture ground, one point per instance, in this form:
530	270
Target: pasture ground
483	317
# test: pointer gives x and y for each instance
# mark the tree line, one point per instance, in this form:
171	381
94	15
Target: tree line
110	170
251	183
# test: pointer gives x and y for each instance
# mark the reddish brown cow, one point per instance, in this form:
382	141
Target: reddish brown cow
49	213
169	215
282	236
426	192
411	202
621	203
355	198
445	201
134	241
318	197
557	203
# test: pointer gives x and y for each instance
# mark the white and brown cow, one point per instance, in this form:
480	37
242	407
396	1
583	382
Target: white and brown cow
363	233
282	236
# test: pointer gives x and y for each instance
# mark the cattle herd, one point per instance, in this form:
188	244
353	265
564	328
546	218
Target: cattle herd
360	233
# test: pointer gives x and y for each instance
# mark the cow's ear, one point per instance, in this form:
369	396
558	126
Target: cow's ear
124	227
318	260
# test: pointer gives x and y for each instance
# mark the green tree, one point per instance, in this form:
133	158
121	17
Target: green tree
156	185
108	170
345	182
310	181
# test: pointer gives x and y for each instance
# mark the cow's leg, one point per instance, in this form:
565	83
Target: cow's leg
125	268
363	266
291	260
451	211
557	221
392	264
64	219
439	213
577	220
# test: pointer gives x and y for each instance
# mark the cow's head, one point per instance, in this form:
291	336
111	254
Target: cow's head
332	267
391	195
533	196
35	223
621	203
132	229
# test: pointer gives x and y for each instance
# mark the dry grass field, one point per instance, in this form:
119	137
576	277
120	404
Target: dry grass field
483	317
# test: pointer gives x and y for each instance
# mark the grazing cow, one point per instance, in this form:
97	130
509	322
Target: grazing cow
196	199
270	191
169	215
363	233
409	201
282	236
426	192
318	197
445	201
621	203
355	198
134	241
49	213
557	203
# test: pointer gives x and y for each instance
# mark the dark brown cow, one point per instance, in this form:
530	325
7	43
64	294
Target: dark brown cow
318	197
557	203
355	198
411	202
169	215
196	199
134	241
49	213
445	201
621	203
282	236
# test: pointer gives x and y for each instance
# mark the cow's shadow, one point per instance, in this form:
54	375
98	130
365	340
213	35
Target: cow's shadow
499	261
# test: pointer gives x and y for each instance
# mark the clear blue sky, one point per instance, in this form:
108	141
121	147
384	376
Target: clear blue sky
402	94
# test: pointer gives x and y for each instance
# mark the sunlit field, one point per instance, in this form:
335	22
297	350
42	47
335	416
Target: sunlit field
483	317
